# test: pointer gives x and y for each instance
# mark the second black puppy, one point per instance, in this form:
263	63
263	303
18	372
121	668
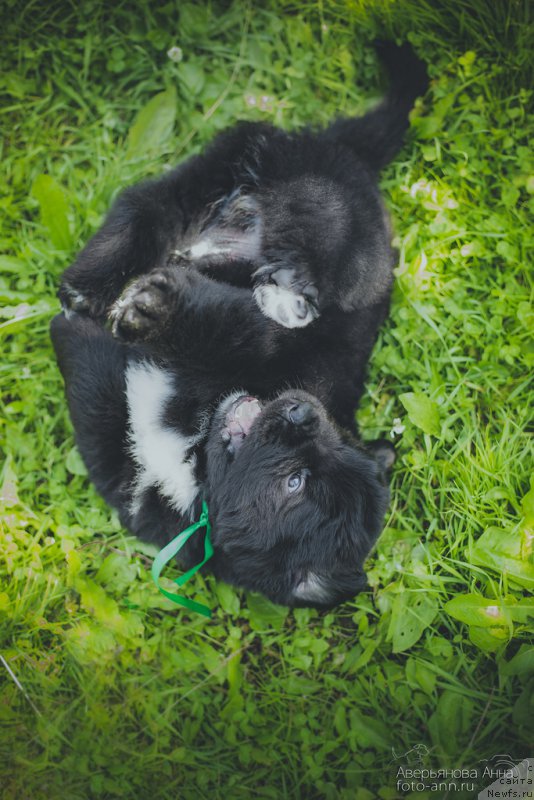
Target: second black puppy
239	354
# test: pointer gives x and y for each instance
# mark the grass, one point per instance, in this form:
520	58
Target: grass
118	694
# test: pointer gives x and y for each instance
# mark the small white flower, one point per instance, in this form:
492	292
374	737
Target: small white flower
250	100
397	428
175	54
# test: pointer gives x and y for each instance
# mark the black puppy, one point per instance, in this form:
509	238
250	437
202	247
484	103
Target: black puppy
238	357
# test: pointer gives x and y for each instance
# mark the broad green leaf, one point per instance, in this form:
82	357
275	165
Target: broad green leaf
234	673
420	676
74	565
411	613
100	605
521	664
54	210
340	719
509	552
116	572
452	718
440	648
523	712
227	597
153	125
193	77
527	503
422	411
368	731
523	609
90	642
488	639
477	610
74	462
356	659
264	614
430	124
11	264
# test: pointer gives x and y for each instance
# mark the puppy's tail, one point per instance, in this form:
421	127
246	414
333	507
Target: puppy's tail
378	136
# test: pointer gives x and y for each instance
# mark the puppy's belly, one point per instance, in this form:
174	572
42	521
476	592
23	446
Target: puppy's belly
232	233
161	454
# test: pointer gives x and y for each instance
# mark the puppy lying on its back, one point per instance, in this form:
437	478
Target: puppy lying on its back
245	290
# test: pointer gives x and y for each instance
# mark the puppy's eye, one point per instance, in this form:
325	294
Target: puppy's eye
295	482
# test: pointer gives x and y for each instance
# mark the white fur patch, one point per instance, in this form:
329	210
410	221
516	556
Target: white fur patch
314	589
205	247
284	306
227	242
159	451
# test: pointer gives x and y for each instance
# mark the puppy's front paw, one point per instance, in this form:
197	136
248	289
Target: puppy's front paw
286	299
142	309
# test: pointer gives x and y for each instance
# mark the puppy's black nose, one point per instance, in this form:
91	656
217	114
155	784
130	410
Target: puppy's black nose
301	414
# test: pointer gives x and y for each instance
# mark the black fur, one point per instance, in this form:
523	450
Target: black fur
262	214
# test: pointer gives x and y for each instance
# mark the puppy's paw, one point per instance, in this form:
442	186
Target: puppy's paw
142	309
285	298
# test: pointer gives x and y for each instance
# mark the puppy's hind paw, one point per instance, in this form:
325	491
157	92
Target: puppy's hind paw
142	309
285	297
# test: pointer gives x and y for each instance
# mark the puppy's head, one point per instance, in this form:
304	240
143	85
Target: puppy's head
295	507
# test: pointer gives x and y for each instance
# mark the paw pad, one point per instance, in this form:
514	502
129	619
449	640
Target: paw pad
141	309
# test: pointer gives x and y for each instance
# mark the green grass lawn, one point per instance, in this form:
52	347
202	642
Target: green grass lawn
119	694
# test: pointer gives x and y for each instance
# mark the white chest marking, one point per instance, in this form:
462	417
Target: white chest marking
160	452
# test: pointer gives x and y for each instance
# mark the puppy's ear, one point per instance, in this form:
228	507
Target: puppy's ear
328	590
383	451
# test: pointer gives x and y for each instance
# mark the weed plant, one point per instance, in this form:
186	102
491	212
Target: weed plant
106	689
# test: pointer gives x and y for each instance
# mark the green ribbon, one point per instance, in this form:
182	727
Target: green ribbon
169	552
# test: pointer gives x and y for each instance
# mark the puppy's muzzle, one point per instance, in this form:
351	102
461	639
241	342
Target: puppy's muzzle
299	420
300	414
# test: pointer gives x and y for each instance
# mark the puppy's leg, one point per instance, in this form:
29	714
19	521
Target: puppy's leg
305	228
135	238
186	316
92	365
148	222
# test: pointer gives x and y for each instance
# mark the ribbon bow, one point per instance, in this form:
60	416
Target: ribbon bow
168	553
